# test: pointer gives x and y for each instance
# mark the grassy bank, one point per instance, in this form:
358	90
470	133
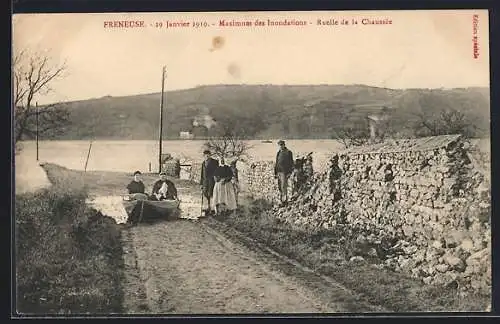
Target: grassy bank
100	183
329	253
68	256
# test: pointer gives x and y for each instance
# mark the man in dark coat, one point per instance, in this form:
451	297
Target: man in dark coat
164	189
283	169
207	180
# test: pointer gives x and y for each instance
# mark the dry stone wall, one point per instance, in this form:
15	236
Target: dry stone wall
419	205
172	168
257	177
260	182
195	172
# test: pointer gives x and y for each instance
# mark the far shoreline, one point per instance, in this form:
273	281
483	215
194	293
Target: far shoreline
260	140
176	139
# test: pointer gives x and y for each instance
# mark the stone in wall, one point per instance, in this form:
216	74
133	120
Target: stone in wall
195	172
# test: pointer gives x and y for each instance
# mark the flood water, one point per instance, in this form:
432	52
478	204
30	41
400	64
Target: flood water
127	156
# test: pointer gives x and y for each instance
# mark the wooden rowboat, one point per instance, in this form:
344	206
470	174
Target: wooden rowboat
140	209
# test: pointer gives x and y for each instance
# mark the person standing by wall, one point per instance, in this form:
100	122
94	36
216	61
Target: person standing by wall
224	194
207	180
283	169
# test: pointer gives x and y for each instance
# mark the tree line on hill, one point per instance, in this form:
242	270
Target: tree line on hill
261	115
250	111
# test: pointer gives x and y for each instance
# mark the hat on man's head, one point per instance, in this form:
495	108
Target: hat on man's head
163	173
206	152
137	172
281	142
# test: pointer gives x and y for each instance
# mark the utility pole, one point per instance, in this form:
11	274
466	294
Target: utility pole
36	135
88	156
160	135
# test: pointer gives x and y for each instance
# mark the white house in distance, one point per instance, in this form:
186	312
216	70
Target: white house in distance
186	135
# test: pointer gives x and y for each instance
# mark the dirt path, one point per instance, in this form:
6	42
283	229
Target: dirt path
188	271
187	267
192	266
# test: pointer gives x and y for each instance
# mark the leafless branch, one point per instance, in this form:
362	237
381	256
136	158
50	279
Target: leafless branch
446	121
32	75
354	132
228	144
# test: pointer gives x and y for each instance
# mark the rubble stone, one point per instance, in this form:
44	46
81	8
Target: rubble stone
427	280
454	262
467	245
356	258
442	267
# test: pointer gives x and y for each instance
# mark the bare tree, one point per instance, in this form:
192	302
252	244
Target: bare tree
447	121
228	143
353	132
32	75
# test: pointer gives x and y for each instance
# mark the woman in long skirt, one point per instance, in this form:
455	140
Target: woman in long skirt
224	198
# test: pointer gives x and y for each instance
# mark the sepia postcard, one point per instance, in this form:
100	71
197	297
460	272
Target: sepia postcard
319	162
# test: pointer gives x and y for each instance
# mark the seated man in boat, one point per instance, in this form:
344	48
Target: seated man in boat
136	185
164	189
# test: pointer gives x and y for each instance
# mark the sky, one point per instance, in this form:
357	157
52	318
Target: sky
420	49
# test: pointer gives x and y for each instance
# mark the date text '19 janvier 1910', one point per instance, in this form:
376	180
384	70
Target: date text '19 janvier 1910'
157	24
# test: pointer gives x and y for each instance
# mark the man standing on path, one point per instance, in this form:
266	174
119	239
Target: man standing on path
207	180
282	170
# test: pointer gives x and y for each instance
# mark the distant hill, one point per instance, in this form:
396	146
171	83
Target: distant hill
263	111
